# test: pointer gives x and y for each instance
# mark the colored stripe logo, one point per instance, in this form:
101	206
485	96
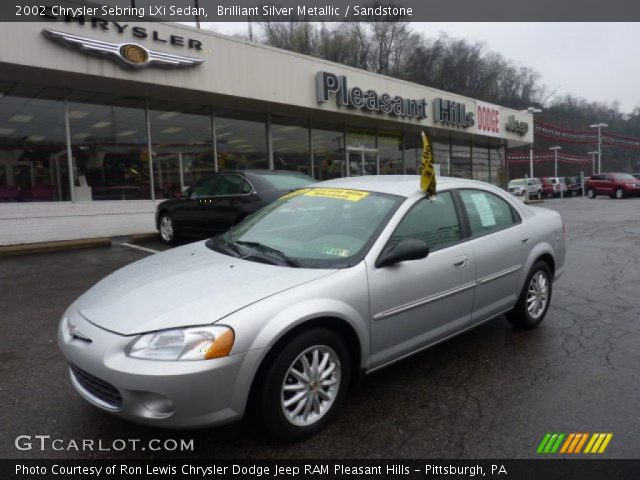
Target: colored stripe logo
574	443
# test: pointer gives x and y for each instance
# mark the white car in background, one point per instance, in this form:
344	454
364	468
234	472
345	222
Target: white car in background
517	187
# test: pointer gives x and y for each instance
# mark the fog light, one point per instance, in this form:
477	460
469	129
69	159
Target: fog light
157	404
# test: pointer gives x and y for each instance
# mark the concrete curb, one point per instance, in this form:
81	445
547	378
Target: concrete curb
137	238
46	247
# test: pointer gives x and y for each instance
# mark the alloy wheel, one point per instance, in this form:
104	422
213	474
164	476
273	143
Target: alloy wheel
166	228
311	385
537	295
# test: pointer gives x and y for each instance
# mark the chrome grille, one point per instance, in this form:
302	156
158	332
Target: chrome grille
107	394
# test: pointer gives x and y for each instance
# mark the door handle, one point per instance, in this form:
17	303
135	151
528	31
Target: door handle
524	239
461	261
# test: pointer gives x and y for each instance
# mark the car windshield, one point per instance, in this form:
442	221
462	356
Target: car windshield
623	176
515	183
287	181
311	228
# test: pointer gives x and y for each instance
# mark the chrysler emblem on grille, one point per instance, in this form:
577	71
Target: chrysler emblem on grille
75	333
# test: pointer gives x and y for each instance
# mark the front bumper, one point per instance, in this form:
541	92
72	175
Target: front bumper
172	394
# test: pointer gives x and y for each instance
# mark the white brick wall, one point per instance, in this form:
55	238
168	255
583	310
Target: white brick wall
42	222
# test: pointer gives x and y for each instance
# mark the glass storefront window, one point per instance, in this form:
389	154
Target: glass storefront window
109	147
361	137
461	160
33	148
442	157
390	153
328	151
241	140
413	153
481	168
290	141
497	164
182	146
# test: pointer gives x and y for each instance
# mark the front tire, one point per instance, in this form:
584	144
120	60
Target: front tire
534	299
591	193
167	228
304	384
619	194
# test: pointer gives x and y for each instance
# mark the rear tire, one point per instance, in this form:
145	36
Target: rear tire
534	300
591	193
304	384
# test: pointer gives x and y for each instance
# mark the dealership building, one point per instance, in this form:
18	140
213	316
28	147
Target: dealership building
101	120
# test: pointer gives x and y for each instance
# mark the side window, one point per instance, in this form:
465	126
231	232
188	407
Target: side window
246	187
435	222
204	187
229	185
487	212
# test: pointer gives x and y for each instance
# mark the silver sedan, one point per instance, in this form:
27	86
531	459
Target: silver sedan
283	312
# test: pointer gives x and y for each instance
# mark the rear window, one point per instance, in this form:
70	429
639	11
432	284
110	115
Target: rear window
623	176
287	182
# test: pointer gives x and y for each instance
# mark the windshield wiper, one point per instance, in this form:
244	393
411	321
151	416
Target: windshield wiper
267	249
227	246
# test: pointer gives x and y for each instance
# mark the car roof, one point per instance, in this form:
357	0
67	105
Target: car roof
402	185
264	171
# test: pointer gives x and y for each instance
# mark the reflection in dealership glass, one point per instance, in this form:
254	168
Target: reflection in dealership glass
326	284
216	202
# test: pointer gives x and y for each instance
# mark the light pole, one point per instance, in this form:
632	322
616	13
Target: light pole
555	168
531	110
593	161
555	150
599	126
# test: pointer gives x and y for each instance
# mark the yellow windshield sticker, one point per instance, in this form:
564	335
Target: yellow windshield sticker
340	252
337	193
295	193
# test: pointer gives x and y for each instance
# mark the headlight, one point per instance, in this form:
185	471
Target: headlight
194	343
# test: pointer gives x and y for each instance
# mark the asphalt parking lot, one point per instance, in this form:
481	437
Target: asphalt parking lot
492	392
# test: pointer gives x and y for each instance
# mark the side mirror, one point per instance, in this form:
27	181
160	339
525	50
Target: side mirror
407	249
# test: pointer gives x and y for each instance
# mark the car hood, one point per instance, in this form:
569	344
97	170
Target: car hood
189	285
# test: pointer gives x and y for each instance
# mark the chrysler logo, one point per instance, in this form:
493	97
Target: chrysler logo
130	55
134	54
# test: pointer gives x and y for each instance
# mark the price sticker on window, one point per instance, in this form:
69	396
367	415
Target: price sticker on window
484	209
337	193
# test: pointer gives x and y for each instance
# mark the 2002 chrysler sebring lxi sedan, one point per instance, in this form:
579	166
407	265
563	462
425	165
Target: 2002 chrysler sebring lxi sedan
299	299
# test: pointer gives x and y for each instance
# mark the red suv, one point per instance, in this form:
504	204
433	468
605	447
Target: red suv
616	185
549	187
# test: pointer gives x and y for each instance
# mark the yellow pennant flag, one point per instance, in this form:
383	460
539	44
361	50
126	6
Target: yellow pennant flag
427	172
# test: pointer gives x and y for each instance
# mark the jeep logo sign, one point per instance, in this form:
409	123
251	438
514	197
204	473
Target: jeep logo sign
516	126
